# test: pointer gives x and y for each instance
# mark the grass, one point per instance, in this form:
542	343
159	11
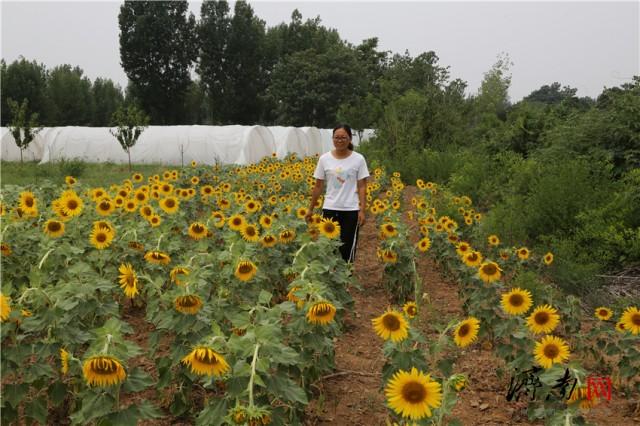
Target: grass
93	174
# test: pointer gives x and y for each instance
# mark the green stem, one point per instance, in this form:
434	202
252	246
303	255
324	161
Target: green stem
45	258
253	374
159	239
107	343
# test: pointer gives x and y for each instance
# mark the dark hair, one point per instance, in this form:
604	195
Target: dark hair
347	129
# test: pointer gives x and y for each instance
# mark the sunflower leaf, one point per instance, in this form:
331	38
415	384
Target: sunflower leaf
286	389
137	380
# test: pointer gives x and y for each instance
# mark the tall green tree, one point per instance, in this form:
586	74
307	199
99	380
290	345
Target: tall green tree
157	50
70	94
232	61
24	79
308	87
107	97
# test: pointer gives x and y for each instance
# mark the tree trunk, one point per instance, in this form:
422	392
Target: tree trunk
129	154
21	162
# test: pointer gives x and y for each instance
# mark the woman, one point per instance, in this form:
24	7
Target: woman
346	174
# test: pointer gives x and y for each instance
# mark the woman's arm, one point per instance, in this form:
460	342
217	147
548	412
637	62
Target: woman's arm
315	194
362	196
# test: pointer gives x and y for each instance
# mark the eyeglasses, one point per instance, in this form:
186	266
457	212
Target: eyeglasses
340	138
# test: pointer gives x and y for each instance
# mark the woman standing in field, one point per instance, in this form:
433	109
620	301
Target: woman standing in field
345	172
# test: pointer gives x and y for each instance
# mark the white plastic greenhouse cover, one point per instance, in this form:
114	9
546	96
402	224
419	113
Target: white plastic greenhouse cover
314	146
164	144
327	134
11	152
289	140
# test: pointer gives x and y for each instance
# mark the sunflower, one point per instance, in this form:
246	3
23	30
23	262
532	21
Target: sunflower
218	219
603	313
28	203
268	241
137	177
424	244
463	248
5	249
154	220
388	230
493	240
5	307
391	325
197	231
287	236
157	257
466	332
266	221
410	309
54	228
101	238
103	370
128	280
250	232
301	212
581	394
245	270
71	204
291	297
631	320
389	256
189	304
146	211
170	204
472	259
105	207
64	361
620	327
523	253
195	180
130	205
543	319
413	394
236	222
517	301
489	272
204	361
329	228
178	272
551	350
504	255
321	313
136	246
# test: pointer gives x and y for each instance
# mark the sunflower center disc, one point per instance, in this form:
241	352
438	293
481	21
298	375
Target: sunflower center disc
414	392
489	269
635	319
551	351
391	322
541	318
464	330
516	300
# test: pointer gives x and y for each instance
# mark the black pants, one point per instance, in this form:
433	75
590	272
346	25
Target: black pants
349	231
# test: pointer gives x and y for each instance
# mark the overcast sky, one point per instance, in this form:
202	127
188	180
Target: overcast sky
586	45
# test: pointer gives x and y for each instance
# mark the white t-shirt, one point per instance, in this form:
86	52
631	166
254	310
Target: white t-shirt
341	180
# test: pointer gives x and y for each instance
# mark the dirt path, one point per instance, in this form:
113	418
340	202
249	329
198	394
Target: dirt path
356	398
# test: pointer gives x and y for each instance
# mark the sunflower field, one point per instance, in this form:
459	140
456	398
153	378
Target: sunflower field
201	294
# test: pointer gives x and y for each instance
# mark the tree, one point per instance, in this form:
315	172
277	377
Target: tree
70	93
551	94
213	41
107	97
24	79
23	126
232	61
157	49
307	88
360	114
130	122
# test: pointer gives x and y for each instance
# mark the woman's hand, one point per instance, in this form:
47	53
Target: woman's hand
307	217
361	218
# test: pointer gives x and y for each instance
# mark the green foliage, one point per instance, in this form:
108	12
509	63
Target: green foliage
107	97
71	167
157	48
70	93
23	126
24	80
130	122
